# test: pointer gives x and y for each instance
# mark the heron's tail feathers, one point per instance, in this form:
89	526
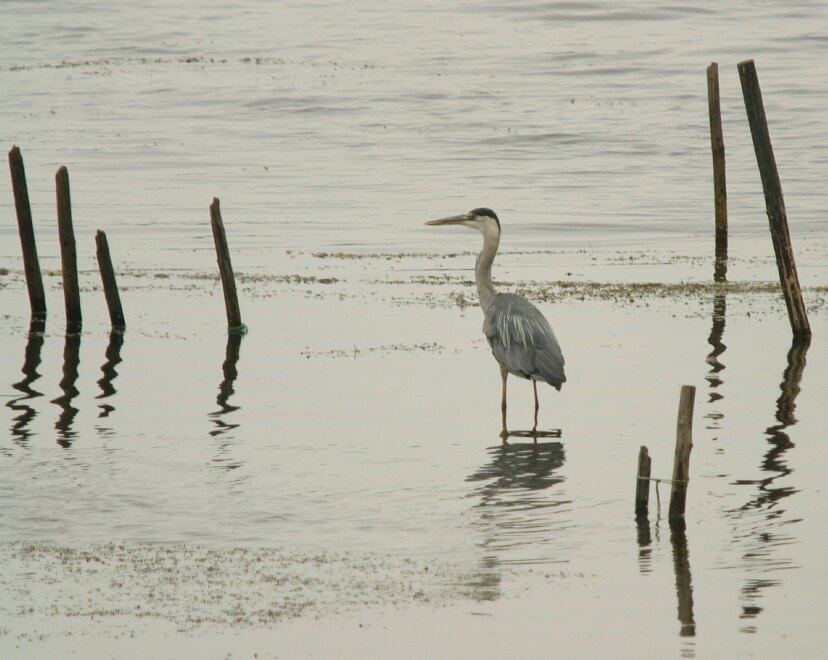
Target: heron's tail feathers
550	369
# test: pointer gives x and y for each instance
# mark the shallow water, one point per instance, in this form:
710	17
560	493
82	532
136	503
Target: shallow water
361	412
348	124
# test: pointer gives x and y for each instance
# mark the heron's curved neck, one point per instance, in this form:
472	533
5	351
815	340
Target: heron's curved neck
483	269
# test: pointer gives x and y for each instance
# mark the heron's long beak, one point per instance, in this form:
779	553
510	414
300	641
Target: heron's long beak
451	220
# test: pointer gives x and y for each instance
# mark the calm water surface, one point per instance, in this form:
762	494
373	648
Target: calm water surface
338	124
363	414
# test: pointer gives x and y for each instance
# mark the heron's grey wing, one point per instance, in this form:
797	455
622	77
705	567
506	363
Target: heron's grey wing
522	339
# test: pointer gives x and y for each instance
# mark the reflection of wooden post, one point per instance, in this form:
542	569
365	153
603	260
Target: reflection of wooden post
684	580
684	443
786	403
68	253
719	183
228	281
774	202
719	347
113	359
230	371
31	265
71	360
642	486
110	286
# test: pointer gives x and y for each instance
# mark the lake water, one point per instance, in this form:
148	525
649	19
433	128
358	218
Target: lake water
360	415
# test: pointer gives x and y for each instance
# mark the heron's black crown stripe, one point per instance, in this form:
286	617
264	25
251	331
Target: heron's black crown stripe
488	212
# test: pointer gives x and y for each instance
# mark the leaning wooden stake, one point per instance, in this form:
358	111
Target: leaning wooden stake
684	443
642	486
719	181
110	286
68	253
774	202
31	265
228	281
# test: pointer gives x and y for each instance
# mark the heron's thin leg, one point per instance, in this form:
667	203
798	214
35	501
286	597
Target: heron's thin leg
504	375
535	388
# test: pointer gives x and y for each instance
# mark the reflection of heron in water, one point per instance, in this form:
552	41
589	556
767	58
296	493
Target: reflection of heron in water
519	467
516	510
521	338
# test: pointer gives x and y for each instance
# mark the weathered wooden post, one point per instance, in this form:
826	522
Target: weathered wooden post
684	443
110	286
68	253
31	265
774	202
719	180
228	281
642	486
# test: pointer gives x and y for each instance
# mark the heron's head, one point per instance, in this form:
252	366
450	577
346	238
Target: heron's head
482	219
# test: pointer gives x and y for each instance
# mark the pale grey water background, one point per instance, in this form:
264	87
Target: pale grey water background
329	127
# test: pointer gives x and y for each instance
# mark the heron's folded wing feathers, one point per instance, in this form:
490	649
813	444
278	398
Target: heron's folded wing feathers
522	339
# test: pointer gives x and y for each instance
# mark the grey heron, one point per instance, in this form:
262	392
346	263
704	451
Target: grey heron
521	339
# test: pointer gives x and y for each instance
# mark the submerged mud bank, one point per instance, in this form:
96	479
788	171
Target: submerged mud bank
192	586
622	279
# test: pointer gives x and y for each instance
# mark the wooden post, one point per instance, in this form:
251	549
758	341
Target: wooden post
31	265
719	182
68	253
684	443
228	281
642	485
774	202
110	286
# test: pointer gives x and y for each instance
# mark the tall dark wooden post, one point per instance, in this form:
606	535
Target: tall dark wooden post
228	280
684	443
110	286
31	264
774	202
719	178
68	253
